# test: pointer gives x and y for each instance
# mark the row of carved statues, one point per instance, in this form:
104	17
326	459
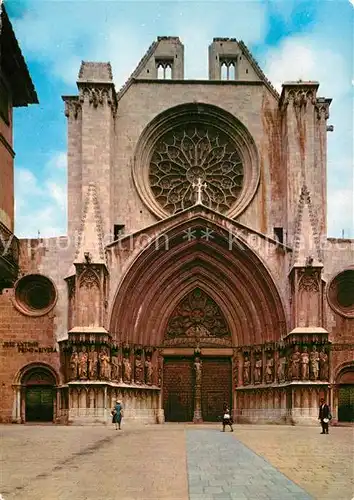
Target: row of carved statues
295	365
90	363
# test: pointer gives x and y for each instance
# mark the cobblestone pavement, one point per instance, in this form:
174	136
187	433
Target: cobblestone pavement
150	462
322	465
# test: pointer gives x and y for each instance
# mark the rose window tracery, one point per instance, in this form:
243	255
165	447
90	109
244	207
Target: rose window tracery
188	154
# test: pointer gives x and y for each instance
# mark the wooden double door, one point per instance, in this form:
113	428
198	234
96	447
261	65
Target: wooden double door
179	388
39	403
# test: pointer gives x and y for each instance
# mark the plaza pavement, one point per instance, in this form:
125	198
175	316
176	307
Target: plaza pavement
176	462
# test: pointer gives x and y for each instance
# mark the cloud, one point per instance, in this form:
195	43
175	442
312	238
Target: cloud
340	212
314	57
59	35
41	205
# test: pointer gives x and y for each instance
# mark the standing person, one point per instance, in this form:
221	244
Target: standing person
226	419
117	414
324	416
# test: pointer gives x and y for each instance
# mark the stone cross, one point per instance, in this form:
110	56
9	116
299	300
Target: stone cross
198	186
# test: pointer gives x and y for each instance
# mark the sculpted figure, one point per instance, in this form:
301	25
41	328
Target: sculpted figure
246	371
314	363
93	363
305	361
269	371
115	368
295	364
105	367
258	370
281	369
74	364
148	370
83	358
127	369
139	369
198	371
324	366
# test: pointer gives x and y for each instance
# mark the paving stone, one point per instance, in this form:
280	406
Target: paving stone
249	475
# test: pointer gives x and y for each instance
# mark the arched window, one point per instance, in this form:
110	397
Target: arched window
232	72
160	72
168	72
224	71
164	69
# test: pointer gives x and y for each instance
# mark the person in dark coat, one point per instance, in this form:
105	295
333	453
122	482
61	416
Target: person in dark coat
117	414
324	416
227	419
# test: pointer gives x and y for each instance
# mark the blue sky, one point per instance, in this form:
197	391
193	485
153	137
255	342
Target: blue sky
291	39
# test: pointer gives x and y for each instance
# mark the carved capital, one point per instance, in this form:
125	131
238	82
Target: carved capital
72	108
99	95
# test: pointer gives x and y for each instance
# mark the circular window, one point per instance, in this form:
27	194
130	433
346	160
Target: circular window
341	293
35	294
196	152
192	156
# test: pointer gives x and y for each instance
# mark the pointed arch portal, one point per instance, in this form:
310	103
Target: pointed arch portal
227	271
197	291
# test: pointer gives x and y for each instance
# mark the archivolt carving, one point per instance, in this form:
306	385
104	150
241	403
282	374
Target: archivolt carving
189	153
197	316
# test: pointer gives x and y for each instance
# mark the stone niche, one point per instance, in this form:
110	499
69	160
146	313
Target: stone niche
283	382
99	372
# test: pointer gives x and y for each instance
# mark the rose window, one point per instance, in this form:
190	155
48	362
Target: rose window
196	154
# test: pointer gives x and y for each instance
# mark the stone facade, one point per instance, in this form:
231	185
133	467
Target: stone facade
196	269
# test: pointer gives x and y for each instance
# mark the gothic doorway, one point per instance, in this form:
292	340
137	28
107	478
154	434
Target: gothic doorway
178	396
197	323
39	395
346	395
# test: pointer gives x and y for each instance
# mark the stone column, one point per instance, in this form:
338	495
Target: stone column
197	418
105	401
16	411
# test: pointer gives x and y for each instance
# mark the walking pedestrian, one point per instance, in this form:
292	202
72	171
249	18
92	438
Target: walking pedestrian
117	414
324	416
227	419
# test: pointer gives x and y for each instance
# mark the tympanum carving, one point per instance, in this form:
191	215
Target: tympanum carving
197	317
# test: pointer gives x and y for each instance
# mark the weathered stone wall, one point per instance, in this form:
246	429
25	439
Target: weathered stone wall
24	340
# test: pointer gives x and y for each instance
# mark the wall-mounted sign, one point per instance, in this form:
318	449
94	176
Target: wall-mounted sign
24	347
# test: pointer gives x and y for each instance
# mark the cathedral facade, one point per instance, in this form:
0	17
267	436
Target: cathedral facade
196	270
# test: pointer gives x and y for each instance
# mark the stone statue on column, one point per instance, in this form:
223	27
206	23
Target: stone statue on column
246	370
139	369
148	370
83	359
258	369
305	362
269	369
281	370
92	363
127	369
74	364
314	364
324	365
115	367
105	366
294	366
